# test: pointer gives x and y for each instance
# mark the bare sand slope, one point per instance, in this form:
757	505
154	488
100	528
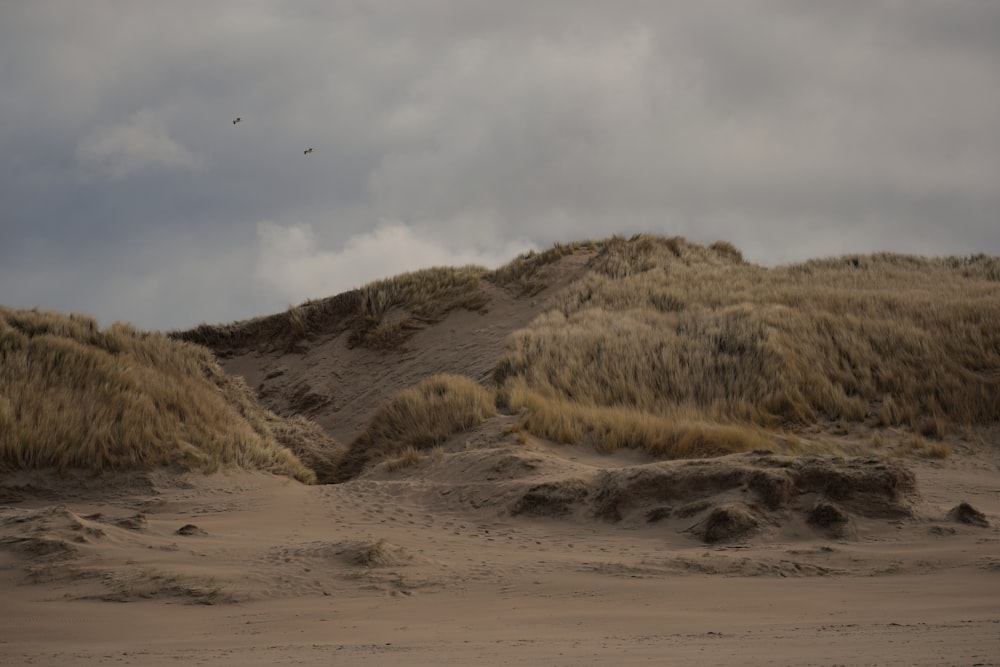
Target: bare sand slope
339	386
500	551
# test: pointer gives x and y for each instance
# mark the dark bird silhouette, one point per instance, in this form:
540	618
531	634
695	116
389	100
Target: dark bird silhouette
237	120
307	151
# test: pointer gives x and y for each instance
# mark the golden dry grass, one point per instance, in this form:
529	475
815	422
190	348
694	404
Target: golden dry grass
418	418
685	350
522	273
76	396
392	309
666	331
381	315
682	434
279	331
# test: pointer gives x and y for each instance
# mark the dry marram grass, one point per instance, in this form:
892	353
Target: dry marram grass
418	418
381	315
669	346
75	396
666	332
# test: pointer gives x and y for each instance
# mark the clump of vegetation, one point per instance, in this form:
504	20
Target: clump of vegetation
283	330
390	310
677	434
411	457
74	396
663	331
524	273
381	315
418	418
317	450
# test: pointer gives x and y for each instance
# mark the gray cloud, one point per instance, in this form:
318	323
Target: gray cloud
142	141
454	132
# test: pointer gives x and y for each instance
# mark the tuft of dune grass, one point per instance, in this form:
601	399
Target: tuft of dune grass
73	395
522	274
683	434
418	298
417	419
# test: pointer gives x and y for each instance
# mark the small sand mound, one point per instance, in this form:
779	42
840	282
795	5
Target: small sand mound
730	522
135	522
967	514
620	492
513	466
731	497
551	498
774	488
829	517
378	554
658	514
50	524
866	486
826	514
37	547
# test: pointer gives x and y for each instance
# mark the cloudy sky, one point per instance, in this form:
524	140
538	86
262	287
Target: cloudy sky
449	132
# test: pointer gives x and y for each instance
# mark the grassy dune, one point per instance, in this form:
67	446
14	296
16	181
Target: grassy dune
680	337
673	347
75	396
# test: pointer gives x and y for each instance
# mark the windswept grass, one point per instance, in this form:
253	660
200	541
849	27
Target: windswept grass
662	329
523	273
281	330
418	418
391	309
682	434
76	396
381	315
411	457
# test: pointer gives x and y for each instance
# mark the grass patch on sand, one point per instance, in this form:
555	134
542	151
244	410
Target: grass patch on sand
382	315
610	428
392	309
418	418
523	274
73	395
411	457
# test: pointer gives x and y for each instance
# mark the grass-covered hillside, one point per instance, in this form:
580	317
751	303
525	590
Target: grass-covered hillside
655	343
684	349
75	396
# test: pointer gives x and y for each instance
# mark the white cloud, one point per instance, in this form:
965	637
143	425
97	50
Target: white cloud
292	264
140	142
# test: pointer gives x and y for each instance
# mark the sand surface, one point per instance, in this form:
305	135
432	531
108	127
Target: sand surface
502	548
434	565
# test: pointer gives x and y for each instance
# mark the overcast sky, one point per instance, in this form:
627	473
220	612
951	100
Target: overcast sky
461	131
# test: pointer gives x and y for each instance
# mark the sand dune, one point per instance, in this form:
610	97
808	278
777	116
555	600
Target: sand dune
867	540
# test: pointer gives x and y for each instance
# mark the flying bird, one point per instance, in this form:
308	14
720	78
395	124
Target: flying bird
237	120
307	151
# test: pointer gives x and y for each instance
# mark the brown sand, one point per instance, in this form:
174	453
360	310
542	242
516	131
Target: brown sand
432	565
501	550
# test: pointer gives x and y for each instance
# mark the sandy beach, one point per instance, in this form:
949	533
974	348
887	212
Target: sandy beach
428	566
